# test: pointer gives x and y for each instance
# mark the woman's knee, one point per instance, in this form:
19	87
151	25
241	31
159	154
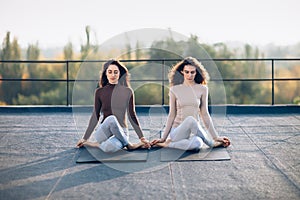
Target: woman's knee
111	119
111	145
108	147
196	143
191	121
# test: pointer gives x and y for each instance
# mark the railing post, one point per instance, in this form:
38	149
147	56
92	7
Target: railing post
67	65
273	95
163	83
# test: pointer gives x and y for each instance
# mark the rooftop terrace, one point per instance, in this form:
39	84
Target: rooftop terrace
38	160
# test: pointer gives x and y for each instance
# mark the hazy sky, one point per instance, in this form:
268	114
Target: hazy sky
55	22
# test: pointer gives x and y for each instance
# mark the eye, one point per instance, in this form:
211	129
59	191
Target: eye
187	72
116	72
109	71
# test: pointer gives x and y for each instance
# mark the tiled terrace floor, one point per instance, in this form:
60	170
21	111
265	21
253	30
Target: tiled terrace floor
38	157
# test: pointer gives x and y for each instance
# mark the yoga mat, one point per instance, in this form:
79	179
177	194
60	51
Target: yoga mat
91	155
214	154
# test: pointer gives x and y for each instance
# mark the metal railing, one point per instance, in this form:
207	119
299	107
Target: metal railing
68	80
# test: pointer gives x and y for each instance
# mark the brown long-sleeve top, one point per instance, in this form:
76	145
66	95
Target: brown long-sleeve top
114	100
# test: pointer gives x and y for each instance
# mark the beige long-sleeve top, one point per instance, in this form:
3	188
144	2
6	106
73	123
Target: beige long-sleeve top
187	101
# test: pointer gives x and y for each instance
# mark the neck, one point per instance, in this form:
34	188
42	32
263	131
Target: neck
113	83
189	83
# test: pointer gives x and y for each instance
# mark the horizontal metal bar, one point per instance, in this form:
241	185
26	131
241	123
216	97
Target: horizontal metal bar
151	60
30	79
144	80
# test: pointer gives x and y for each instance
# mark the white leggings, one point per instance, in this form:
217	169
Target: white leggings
110	135
181	135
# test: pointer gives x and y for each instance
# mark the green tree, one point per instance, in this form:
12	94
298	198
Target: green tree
10	51
138	51
88	48
31	70
68	51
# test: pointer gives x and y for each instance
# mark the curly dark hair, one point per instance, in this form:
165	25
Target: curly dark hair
176	77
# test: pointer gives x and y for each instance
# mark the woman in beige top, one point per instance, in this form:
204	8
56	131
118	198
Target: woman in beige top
189	100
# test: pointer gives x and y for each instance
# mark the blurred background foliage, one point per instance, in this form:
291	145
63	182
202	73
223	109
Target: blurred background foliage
148	79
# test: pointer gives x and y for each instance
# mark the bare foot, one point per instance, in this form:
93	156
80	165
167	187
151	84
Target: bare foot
217	144
221	141
132	146
91	144
80	143
163	144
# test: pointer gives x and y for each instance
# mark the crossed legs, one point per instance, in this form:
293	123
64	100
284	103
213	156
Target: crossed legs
180	137
111	137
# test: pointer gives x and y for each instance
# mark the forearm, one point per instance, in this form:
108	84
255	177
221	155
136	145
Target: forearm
135	123
206	116
165	135
94	118
138	130
171	116
169	124
209	125
133	117
92	124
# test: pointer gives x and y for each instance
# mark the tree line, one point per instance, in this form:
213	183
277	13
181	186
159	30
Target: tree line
54	93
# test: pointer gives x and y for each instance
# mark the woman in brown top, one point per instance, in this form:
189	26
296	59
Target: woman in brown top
113	99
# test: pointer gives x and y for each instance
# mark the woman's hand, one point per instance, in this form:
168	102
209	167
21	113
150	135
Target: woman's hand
155	141
224	140
80	143
146	142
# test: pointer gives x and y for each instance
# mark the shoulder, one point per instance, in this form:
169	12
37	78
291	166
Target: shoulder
175	88
98	90
125	89
201	89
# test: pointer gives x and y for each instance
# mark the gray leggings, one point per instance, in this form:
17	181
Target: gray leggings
181	135
110	135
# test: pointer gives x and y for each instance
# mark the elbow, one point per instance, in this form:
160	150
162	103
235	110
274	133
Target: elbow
205	114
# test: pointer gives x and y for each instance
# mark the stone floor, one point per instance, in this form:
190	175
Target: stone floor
38	157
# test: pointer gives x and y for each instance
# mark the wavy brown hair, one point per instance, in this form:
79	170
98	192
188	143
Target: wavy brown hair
124	74
176	76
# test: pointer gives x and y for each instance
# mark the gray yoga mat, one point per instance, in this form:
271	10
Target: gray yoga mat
91	155
206	154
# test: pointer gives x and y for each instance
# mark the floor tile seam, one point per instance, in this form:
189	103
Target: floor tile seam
290	137
274	134
178	180
270	158
297	117
25	141
285	171
271	125
172	180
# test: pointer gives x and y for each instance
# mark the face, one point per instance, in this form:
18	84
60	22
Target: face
113	74
189	73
